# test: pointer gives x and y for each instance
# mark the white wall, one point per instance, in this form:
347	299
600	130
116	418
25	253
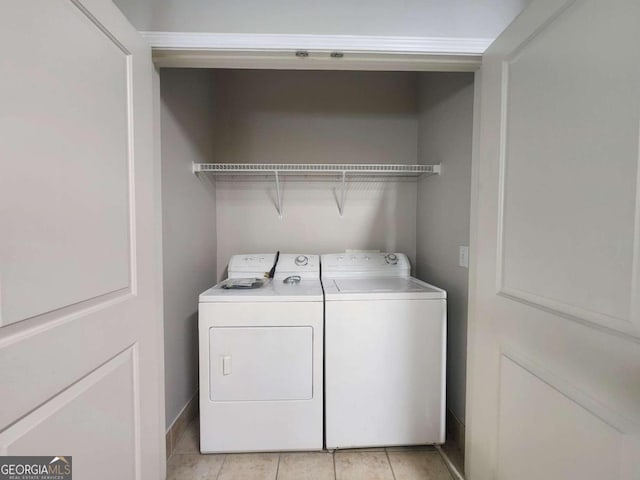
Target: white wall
189	225
377	215
437	18
315	117
446	129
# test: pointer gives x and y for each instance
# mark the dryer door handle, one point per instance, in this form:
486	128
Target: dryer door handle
226	364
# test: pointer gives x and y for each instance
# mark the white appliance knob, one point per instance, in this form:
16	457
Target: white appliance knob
301	260
391	258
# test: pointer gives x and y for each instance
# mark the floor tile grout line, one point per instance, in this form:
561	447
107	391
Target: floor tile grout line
278	466
335	473
224	460
393	474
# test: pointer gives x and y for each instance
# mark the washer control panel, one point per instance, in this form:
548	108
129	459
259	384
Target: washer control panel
365	263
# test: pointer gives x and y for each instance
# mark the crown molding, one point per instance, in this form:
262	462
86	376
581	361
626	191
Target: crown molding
343	43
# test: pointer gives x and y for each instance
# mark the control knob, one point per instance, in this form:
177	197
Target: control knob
391	258
301	260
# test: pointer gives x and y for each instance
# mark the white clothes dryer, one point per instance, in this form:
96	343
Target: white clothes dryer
261	370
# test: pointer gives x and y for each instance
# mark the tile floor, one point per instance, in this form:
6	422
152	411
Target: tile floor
419	463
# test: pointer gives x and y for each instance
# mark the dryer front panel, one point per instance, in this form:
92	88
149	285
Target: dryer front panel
261	375
261	363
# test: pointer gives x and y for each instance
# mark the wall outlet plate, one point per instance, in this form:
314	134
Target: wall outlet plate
463	256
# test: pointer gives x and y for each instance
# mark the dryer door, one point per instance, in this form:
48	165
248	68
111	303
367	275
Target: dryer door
261	363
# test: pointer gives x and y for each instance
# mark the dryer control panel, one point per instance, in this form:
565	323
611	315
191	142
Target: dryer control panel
250	265
300	264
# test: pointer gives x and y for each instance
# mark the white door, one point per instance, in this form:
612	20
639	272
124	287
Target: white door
80	330
554	364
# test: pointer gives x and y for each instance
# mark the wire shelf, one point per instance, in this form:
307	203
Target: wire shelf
315	169
303	169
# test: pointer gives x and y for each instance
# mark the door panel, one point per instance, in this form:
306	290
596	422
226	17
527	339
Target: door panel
69	119
581	445
109	422
555	247
569	168
81	336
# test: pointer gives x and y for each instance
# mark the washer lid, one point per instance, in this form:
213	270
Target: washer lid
274	290
380	288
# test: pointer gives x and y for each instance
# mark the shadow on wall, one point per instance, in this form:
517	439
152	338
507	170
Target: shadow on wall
181	93
191	325
443	210
270	116
188	225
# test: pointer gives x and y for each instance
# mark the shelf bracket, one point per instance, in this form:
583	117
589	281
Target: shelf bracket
343	187
278	195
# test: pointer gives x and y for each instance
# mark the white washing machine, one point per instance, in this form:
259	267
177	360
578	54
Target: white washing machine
385	353
261	371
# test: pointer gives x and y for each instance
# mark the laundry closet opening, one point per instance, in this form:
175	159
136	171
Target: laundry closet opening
312	117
